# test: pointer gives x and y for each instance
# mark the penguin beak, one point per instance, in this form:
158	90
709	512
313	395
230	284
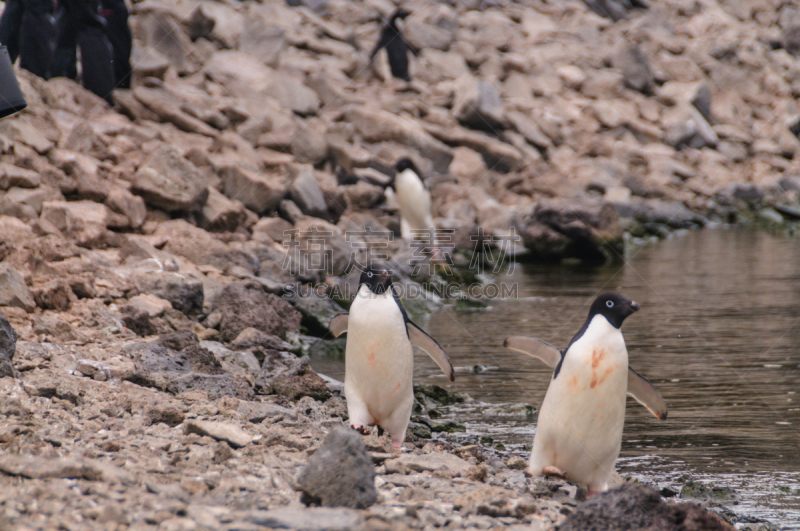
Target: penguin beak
634	306
385	276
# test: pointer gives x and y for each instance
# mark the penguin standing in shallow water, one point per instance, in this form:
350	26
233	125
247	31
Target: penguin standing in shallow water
579	432
396	46
413	198
379	361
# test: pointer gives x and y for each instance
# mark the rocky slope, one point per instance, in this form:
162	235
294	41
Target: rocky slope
158	377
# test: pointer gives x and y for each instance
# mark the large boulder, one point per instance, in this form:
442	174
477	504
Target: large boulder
246	305
340	473
168	181
182	291
587	231
260	192
177	363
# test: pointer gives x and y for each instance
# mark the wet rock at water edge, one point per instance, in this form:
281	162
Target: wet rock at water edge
340	473
633	507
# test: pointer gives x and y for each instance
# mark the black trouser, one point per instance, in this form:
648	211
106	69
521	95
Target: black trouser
80	24
26	28
119	35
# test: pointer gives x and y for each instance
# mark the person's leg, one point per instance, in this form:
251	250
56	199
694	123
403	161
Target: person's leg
97	67
65	57
9	27
119	35
37	37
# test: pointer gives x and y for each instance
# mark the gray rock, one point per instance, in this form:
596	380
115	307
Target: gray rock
184	292
157	29
258	411
294	95
221	431
790	182
38	467
635	68
441	463
306	193
168	181
244	305
11	175
13	290
259	192
192	368
478	105
312	519
632	506
168	109
131	206
8	345
293	378
340	473
221	214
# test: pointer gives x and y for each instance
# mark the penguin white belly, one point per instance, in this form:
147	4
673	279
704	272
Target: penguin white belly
580	423
379	364
415	203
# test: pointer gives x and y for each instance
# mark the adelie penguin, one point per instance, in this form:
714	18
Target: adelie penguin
379	361
413	198
396	46
579	433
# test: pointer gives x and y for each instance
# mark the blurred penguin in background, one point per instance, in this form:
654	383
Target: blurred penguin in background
391	39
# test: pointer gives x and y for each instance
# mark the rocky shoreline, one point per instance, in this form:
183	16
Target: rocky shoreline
154	256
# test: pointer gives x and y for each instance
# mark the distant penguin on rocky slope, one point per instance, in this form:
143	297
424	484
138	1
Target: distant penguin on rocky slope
396	46
413	198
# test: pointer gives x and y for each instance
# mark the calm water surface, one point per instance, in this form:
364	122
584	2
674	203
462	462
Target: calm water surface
718	334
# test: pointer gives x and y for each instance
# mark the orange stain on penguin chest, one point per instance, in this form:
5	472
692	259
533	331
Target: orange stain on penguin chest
597	357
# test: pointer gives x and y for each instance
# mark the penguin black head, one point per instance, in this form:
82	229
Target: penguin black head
398	14
377	277
406	164
614	307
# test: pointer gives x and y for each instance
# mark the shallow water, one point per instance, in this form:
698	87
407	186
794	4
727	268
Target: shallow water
718	334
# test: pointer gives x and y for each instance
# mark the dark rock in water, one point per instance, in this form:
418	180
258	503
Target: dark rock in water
8	346
636	507
246	305
340	473
633	63
717	495
590	232
749	193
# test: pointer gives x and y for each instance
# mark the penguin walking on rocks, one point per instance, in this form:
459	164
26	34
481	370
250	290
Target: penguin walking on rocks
413	198
379	360
579	432
396	46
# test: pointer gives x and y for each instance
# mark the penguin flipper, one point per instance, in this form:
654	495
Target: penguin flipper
536	348
338	324
647	395
420	339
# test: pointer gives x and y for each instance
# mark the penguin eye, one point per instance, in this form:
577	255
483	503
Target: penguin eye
369	274
610	304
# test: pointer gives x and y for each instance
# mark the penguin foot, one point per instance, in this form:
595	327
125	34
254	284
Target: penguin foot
553	472
397	445
363	430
